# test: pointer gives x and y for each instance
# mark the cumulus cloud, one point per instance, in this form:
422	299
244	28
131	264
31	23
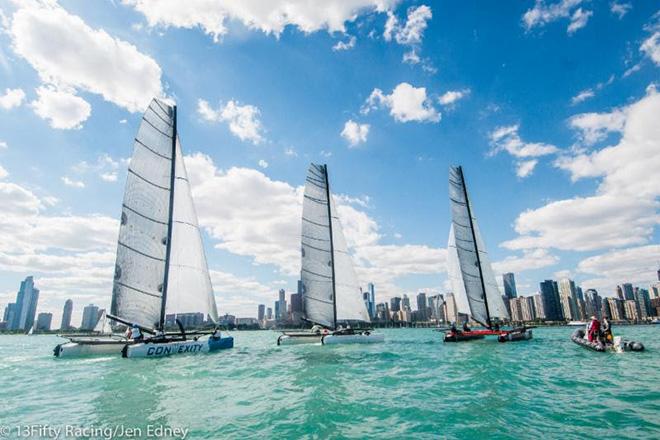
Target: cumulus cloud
410	33
68	53
529	260
651	47
105	167
620	9
270	17
355	133
624	209
452	96
507	138
345	45
591	92
243	119
263	163
12	98
594	127
406	104
542	14
61	109
73	183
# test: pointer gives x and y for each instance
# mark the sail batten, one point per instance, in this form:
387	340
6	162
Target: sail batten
470	272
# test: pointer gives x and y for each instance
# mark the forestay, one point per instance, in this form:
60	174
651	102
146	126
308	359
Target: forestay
141	247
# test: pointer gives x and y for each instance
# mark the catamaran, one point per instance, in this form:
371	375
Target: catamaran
160	267
476	293
332	297
100	341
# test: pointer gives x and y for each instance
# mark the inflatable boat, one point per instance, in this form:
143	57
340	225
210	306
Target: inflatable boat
619	344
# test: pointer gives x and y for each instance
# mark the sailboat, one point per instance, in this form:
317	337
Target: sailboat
161	267
101	341
332	297
476	293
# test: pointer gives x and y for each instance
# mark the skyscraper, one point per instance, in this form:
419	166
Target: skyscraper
90	317
370	300
422	306
66	315
280	307
551	302
405	302
44	321
509	285
628	293
261	312
568	297
395	304
269	313
25	308
296	307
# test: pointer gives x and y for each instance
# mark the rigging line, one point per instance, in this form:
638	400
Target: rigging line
185	179
139	252
137	290
144	118
169	124
313	247
181	222
148	181
315	223
332	246
316	274
314	238
142	215
152	150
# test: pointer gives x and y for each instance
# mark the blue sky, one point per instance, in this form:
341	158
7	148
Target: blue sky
550	107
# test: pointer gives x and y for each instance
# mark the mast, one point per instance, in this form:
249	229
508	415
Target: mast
168	249
332	250
476	248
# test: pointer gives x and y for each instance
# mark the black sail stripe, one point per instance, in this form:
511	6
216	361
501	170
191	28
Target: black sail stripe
139	252
161	107
137	290
318	299
167	135
143	216
314	238
317	274
148	181
151	149
313	247
315	223
160	117
314	199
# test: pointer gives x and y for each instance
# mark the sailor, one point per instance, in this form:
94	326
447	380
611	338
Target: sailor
594	330
465	327
136	334
453	327
607	330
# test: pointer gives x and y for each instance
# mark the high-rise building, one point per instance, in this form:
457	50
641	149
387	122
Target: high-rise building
593	304
516	309
281	307
191	320
66	315
296	307
568	295
44	321
261	312
421	306
628	292
551	302
370	300
405	303
382	312
269	313
509	285
25	307
538	306
619	293
615	309
90	317
8	317
630	309
655	291
643	300
395	304
450	308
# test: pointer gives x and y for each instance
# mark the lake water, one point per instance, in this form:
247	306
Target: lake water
411	386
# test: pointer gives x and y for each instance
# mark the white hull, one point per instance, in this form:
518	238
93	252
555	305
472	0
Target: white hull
353	339
297	340
204	344
96	347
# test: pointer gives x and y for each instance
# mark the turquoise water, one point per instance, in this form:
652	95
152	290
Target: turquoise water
412	386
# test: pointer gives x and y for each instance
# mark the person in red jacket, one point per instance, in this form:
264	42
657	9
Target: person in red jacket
594	330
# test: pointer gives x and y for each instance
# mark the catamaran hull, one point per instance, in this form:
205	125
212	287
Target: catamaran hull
298	339
463	336
352	339
78	349
171	348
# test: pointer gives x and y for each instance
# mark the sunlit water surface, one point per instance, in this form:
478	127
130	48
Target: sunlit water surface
411	386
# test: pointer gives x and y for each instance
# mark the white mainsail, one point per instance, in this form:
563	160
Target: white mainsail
103	325
157	206
469	269
330	288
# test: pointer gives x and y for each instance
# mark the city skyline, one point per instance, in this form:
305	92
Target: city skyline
553	119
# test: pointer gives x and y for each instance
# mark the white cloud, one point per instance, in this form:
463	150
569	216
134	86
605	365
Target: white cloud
68	53
620	9
506	138
624	210
594	127
243	119
412	32
240	295
105	167
3	172
12	98
530	259
345	45
406	103
542	14
452	96
636	265
3	145
61	109
525	168
578	20
582	96
355	133
290	152
263	163
651	47
109	177
73	183
270	17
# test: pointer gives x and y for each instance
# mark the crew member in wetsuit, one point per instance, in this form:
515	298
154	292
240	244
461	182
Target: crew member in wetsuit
607	331
453	328
465	327
136	334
